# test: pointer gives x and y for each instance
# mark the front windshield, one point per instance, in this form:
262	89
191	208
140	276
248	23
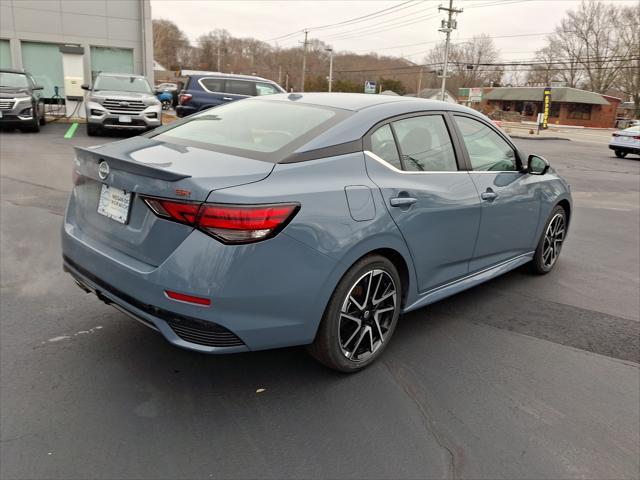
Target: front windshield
13	80
122	84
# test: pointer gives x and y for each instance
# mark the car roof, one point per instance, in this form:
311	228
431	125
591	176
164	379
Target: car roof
108	74
367	110
229	75
359	101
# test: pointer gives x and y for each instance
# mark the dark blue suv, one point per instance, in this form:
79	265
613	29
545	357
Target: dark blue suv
205	90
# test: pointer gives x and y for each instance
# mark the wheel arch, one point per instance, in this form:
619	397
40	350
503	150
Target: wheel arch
564	203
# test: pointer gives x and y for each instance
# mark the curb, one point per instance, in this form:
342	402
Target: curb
535	137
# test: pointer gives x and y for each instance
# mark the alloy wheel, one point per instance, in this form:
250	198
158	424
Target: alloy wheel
367	315
553	238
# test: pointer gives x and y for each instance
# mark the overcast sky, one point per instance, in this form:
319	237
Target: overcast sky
408	30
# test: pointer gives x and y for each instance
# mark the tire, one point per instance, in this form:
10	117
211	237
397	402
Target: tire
92	130
33	127
620	153
551	241
354	330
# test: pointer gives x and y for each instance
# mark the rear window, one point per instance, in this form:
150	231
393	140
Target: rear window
241	87
213	84
264	130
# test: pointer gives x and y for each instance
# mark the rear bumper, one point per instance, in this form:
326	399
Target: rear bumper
180	330
185	110
625	148
266	295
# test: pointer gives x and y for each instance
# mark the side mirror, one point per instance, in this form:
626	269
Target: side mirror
537	165
85	86
38	87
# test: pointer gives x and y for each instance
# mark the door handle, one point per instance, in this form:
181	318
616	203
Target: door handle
489	195
227	98
402	201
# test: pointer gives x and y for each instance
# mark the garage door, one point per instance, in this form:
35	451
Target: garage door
5	54
44	62
111	60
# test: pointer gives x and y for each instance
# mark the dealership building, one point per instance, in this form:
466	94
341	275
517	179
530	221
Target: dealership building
64	43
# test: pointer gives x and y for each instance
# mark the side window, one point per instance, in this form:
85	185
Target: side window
384	146
213	84
240	87
487	150
266	89
425	144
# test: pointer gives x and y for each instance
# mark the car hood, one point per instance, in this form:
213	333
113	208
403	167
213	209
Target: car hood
13	93
101	94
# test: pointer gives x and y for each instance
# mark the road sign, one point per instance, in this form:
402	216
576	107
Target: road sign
369	86
475	94
546	107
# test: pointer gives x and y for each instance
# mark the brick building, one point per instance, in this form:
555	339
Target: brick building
569	106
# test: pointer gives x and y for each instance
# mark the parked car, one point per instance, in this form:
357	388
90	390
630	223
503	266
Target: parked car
20	101
625	141
171	87
121	102
204	91
307	219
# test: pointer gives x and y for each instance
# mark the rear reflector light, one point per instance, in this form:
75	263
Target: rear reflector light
181	297
184	98
227	223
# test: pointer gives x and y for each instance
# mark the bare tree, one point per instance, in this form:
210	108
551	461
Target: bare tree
628	81
170	44
546	70
470	63
589	37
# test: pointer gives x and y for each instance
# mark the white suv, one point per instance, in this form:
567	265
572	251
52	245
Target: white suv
121	102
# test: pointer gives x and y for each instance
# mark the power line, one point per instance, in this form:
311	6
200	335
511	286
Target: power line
375	30
362	18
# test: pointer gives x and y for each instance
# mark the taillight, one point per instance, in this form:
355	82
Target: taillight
636	137
184	98
244	223
225	222
615	134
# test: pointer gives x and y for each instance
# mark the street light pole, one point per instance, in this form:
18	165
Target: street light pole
330	50
447	27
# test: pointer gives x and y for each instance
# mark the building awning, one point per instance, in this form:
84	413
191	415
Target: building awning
534	94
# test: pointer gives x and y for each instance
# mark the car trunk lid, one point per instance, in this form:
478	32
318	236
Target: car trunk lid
141	167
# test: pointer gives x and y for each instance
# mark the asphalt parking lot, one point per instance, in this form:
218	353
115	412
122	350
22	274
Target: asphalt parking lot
522	377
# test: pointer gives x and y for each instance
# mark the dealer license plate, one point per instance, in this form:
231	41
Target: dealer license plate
114	203
124	119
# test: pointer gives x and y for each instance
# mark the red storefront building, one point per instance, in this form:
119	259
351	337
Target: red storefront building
569	106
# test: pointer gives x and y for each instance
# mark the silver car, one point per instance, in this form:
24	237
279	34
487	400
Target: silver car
121	102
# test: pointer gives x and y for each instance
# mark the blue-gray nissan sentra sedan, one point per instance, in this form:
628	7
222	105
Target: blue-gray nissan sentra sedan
307	219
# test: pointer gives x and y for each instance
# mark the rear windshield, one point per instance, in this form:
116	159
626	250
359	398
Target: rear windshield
260	129
122	84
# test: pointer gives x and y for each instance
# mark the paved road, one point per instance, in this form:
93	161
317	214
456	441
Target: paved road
599	136
523	377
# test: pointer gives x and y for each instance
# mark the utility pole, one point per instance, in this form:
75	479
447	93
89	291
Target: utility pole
304	59
218	58
330	50
447	27
420	82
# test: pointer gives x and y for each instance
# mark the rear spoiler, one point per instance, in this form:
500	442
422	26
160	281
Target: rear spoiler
121	160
